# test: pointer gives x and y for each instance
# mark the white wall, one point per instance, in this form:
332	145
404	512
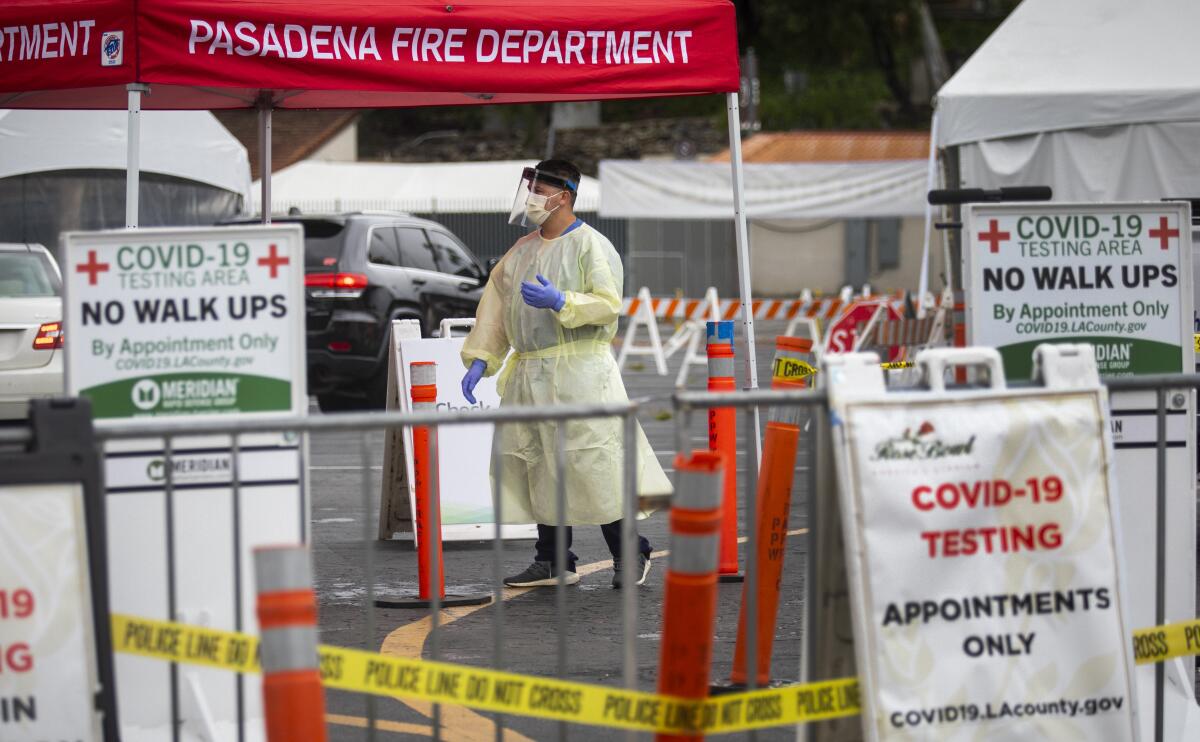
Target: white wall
343	147
788	256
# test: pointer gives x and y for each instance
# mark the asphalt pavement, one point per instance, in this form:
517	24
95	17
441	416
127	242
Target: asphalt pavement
344	523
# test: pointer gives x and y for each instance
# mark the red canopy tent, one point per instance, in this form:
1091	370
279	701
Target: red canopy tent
213	54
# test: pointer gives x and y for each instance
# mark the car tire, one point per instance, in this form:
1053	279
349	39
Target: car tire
377	390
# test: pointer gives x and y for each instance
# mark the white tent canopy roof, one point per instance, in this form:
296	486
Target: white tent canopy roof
424	187
1066	64
185	144
818	190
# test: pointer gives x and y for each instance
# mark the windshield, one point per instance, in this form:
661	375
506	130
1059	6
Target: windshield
25	274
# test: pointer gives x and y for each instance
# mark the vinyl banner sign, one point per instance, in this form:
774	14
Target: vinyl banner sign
985	573
1113	275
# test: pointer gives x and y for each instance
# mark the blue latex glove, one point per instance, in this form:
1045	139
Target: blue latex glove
474	374
544	296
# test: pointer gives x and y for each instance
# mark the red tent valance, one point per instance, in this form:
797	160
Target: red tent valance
208	54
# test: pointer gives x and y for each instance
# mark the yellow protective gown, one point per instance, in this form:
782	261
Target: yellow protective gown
560	357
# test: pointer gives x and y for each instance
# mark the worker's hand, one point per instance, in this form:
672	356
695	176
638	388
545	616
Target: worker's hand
544	296
474	374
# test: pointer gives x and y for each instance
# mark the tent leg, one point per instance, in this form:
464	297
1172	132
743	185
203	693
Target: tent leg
743	248
930	184
264	154
133	152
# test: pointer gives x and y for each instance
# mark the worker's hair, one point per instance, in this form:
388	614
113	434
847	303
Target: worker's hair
562	169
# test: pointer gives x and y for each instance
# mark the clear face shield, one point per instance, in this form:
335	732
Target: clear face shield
529	207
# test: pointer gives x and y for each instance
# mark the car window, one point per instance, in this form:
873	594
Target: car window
415	250
452	257
322	242
26	274
384	249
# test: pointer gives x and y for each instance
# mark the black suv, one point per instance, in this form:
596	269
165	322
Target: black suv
363	270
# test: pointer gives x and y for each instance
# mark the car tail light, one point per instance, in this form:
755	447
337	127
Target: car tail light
49	337
340	346
335	285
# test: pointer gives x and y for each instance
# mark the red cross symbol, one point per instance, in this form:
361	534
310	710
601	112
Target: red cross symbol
273	261
994	236
92	268
1162	234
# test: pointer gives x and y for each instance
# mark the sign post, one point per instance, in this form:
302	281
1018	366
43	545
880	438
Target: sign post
171	324
1119	277
982	551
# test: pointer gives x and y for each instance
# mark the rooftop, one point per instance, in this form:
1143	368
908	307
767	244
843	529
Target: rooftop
832	146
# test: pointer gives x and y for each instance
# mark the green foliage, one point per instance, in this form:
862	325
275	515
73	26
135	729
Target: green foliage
833	99
858	56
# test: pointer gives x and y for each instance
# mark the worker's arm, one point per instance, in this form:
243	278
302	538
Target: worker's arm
600	301
488	341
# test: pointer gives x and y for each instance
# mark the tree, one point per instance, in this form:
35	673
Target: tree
854	59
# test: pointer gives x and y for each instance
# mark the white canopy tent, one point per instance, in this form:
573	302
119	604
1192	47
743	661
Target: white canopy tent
651	189
1098	99
423	187
191	145
68	172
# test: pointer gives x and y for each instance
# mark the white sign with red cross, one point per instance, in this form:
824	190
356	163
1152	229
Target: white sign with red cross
173	324
1117	276
1112	275
185	322
843	334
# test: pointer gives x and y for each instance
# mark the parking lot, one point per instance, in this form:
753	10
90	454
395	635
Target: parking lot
530	635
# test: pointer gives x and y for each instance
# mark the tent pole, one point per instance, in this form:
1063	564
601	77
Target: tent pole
264	155
741	231
133	152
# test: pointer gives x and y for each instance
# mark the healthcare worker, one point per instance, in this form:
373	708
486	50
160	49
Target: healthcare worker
554	299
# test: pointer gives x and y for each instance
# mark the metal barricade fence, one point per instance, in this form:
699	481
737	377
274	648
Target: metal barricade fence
364	424
685	405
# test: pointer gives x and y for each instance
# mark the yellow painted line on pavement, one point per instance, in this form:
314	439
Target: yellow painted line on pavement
459	722
382	725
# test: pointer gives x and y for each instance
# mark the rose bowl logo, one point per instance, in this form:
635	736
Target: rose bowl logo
112	48
921	445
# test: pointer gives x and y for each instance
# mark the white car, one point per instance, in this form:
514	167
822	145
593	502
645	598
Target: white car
31	332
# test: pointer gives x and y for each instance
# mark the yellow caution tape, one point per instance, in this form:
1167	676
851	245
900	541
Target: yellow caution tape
1162	643
546	698
505	692
1196	342
791	369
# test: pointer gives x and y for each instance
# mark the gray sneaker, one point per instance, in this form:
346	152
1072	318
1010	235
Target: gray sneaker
540	574
640	570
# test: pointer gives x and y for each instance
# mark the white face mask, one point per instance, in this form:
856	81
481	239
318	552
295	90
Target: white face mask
535	208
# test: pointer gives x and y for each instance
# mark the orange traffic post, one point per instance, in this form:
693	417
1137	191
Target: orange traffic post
293	698
722	438
792	369
425	466
427	510
690	587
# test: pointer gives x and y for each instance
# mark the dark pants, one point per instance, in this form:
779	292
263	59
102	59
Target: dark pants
544	549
